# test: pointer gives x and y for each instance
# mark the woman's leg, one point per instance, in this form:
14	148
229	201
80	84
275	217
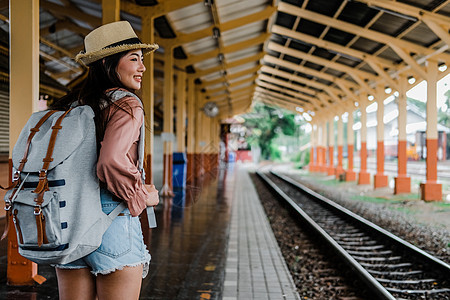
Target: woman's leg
76	284
121	284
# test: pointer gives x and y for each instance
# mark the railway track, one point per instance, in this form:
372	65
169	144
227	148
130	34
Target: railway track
389	266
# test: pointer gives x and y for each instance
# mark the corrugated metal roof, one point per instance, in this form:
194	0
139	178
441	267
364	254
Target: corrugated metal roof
316	53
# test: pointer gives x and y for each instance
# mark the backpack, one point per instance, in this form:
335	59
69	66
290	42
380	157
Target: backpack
54	200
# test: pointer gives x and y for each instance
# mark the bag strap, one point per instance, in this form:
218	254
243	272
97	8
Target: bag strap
116	211
48	158
16	176
43	181
24	160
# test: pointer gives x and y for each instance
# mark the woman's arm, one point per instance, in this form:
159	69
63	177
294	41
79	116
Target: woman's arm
117	165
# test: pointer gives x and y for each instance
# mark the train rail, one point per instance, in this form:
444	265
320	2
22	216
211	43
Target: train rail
389	266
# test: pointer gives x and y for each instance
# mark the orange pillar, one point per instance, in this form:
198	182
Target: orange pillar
431	190
319	148
380	180
323	168
148	88
363	176
167	135
330	169
199	136
313	158
340	146
350	175
402	181
24	93
190	130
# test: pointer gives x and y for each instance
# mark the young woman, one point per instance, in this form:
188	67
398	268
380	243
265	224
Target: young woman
114	56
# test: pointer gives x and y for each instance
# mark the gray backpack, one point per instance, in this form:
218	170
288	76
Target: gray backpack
55	197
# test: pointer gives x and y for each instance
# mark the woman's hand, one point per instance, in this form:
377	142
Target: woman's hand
153	198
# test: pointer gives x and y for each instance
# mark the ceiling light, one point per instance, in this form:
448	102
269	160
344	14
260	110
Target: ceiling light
216	33
370	97
411	80
442	67
220	57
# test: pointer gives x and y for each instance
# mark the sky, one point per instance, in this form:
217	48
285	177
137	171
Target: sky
419	92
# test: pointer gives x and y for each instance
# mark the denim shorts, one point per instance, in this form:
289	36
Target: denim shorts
122	244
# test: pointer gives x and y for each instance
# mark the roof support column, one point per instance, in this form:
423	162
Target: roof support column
340	146
190	129
363	176
380	180
350	175
24	95
206	138
330	170
181	111
323	166
431	190
110	11
318	146
199	142
148	91
402	181
313	143
179	157
167	135
215	142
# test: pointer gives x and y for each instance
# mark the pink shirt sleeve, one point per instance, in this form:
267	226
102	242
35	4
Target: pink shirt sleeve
117	162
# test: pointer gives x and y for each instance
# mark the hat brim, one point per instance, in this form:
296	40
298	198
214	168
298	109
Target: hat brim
90	57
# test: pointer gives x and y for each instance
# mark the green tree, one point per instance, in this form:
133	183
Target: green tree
267	123
444	112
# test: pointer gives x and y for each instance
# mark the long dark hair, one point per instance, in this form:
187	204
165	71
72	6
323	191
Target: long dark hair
102	76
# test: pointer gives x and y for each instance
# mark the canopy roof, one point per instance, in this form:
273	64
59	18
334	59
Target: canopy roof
311	55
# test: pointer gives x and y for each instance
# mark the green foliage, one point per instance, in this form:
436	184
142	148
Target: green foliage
275	153
267	123
301	158
444	112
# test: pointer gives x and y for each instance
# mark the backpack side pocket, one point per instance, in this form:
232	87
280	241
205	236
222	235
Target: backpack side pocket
28	225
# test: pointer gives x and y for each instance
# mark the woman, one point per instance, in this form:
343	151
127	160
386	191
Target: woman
114	56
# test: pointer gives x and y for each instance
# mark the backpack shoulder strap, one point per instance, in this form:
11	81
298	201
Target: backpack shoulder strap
33	132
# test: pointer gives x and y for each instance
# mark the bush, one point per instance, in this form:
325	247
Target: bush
301	159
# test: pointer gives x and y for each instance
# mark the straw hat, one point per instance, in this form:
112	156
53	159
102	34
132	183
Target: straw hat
110	39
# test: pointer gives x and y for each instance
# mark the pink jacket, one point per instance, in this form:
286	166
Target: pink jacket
117	164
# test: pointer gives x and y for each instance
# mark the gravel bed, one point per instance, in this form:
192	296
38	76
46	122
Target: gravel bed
428	238
315	270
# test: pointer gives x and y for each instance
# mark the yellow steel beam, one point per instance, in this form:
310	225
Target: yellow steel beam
189	37
321	61
359	31
205	84
110	11
313	100
163	7
332	46
303	69
419	14
309	92
239	92
284	98
234	84
328	89
71	11
227	49
259	16
233	64
65	24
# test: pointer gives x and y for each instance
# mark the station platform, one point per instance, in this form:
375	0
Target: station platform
213	241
